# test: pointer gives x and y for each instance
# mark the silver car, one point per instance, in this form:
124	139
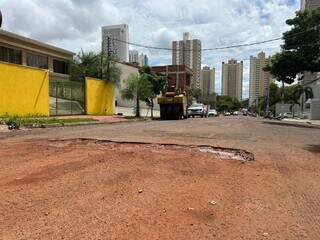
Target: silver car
212	113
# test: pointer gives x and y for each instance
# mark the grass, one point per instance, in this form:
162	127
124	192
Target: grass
15	122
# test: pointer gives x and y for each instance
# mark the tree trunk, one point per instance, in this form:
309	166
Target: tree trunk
151	108
137	106
302	104
282	92
293	113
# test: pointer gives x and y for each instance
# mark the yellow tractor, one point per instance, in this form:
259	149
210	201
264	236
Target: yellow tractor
173	106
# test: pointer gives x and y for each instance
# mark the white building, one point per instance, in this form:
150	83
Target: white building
134	56
137	58
117	37
259	79
188	52
207	81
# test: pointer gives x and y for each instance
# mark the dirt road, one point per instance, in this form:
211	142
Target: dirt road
53	187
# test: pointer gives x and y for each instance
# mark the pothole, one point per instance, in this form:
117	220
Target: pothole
221	153
228	154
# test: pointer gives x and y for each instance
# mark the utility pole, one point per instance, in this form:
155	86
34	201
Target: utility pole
0	18
108	59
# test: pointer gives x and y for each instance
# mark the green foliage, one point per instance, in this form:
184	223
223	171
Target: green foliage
244	103
193	92
301	51
95	65
15	122
138	88
157	82
285	66
226	103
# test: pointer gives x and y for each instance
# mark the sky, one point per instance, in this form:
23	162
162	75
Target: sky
76	25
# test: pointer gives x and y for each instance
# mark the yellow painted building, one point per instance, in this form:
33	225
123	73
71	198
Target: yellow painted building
34	80
23	90
99	97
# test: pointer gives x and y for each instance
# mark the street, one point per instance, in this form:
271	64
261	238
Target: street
62	183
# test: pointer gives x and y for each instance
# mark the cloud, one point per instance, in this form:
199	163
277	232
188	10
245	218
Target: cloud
76	24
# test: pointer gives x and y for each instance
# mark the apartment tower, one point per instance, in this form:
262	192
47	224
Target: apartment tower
117	38
188	52
207	81
259	79
309	4
232	78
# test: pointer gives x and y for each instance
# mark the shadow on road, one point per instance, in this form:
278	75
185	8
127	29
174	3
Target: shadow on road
313	148
289	124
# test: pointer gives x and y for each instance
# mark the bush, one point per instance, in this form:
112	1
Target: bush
13	123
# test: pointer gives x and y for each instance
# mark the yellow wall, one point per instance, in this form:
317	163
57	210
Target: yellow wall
99	97
23	90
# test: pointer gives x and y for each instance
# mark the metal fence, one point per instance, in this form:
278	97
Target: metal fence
66	97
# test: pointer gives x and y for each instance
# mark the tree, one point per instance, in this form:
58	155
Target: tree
245	103
193	92
300	51
95	65
226	103
138	89
157	82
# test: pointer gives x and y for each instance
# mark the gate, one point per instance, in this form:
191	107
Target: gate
66	97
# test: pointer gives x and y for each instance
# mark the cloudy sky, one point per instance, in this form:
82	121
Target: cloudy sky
76	24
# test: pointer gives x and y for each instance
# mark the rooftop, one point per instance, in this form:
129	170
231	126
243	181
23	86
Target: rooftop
4	33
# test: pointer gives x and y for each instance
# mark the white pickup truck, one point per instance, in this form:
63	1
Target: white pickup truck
197	109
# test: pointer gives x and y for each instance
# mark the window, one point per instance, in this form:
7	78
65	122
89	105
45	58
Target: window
10	55
60	67
37	61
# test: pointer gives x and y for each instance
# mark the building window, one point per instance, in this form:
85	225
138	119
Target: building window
37	61
60	66
10	55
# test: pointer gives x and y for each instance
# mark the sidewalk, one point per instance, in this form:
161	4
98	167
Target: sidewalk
101	119
129	112
306	121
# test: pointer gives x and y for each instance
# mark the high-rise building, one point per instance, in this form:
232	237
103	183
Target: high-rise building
143	59
207	81
232	78
134	56
117	38
309	4
188	52
259	79
138	59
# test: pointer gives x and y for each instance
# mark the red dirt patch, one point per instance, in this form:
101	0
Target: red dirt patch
95	190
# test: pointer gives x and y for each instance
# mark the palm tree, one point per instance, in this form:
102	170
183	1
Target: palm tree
138	89
96	65
303	93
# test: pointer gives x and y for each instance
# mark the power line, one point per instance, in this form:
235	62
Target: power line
216	48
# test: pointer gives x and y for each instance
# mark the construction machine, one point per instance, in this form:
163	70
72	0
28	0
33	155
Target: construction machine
173	105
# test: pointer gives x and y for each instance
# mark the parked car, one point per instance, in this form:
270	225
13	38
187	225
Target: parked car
227	114
197	109
287	115
213	113
235	113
